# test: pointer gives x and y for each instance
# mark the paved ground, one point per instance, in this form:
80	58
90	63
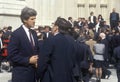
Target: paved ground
113	77
6	77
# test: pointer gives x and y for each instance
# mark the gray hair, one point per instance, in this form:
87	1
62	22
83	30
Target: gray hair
26	13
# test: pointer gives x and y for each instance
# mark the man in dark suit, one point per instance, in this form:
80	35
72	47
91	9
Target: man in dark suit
114	18
46	33
57	55
92	20
23	48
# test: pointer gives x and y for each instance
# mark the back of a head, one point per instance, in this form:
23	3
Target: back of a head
9	28
81	39
69	18
91	13
102	35
114	10
63	24
26	13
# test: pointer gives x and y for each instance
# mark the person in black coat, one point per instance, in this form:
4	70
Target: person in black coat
46	33
117	57
23	48
100	19
84	54
114	18
56	59
92	20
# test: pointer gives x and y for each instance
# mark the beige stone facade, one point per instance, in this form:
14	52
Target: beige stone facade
49	10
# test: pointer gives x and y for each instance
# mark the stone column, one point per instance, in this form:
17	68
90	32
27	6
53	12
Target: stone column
10	11
98	10
117	5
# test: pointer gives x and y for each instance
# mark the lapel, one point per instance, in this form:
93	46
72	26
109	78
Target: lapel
34	37
25	38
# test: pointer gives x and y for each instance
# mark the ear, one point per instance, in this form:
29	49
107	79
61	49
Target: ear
24	21
56	27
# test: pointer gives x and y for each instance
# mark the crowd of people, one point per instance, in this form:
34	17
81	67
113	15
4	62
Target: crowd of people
5	34
66	52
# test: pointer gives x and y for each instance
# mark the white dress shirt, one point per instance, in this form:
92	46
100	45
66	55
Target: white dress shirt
91	19
27	33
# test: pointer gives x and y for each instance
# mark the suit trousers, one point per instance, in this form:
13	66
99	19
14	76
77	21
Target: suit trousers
118	74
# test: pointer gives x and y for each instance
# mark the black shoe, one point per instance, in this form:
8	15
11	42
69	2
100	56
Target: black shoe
99	80
108	76
9	71
1	71
96	80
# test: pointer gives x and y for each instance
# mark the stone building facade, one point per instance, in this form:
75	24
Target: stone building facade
49	10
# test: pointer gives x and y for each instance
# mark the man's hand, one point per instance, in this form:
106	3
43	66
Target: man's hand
33	59
91	68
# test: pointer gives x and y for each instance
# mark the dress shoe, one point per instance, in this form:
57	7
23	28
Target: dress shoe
108	76
1	71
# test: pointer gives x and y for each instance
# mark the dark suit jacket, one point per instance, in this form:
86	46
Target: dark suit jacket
92	25
45	35
117	56
94	19
56	59
114	22
106	43
117	16
83	50
20	50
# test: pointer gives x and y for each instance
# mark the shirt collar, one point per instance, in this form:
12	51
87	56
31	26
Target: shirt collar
56	33
25	28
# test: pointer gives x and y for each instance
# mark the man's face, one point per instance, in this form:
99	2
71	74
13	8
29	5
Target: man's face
30	22
46	29
54	29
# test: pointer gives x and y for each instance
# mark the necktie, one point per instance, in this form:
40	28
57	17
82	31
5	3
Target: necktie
31	40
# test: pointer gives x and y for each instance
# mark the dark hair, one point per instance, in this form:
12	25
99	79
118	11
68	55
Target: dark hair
69	18
100	16
40	28
47	27
26	13
9	28
63	24
1	31
91	13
